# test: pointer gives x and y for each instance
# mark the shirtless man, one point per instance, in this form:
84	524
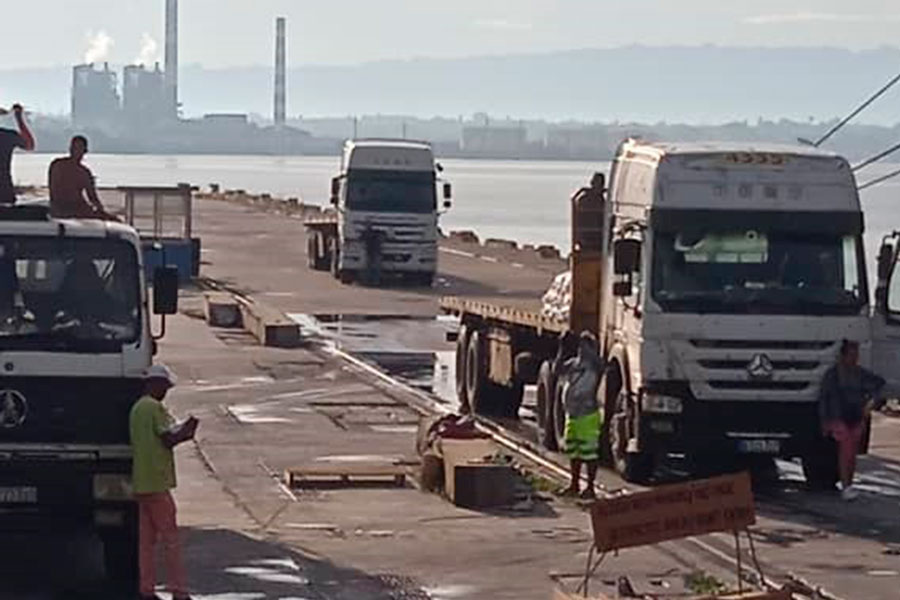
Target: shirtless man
11	139
70	181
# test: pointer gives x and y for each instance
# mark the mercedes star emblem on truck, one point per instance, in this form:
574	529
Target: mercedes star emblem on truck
13	409
760	367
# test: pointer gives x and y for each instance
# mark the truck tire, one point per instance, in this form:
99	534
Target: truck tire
633	467
820	466
315	260
482	392
334	257
120	558
462	347
346	276
559	413
422	279
546	434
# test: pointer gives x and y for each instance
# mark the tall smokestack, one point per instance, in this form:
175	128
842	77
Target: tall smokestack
280	72
172	56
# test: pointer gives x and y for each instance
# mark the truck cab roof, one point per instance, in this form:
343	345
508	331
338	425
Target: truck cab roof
388	154
33	218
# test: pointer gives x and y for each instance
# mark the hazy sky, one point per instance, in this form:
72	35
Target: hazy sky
239	32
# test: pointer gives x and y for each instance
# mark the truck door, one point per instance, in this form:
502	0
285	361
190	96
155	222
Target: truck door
886	317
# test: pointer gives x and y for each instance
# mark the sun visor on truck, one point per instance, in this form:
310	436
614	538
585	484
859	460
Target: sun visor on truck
825	222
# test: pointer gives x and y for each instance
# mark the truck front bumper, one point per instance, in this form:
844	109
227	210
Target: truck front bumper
773	428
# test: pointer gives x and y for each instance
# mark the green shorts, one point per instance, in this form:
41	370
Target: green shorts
583	437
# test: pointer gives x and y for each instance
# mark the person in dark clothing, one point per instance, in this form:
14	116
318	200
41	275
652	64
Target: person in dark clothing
847	396
9	141
70	181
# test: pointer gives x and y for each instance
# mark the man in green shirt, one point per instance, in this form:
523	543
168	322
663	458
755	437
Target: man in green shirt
153	436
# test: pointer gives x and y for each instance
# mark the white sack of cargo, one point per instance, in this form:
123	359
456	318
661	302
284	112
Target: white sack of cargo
558	298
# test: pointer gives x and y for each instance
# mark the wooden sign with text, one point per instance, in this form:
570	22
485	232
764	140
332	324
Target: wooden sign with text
673	511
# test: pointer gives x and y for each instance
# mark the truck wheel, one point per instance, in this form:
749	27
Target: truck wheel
315	260
346	276
546	433
120	558
820	466
633	467
559	413
462	347
311	251
481	393
334	254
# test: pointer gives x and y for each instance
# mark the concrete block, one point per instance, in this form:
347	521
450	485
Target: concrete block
548	252
502	244
221	309
465	237
270	326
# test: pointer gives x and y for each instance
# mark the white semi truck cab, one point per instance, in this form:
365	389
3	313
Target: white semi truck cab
720	280
75	338
386	214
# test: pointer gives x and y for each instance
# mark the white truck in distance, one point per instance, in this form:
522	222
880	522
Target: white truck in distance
75	339
386	214
720	280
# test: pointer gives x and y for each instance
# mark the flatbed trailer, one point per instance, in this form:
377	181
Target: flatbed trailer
499	350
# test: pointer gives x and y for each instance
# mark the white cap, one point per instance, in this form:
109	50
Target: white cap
160	372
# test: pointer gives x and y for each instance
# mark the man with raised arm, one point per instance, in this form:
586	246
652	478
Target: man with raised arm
10	139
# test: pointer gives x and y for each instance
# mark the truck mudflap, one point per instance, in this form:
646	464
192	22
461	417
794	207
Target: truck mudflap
767	428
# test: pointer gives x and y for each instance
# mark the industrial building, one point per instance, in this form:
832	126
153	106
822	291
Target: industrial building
95	97
144	97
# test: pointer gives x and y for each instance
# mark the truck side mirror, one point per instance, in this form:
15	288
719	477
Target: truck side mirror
627	257
335	190
885	257
448	191
165	290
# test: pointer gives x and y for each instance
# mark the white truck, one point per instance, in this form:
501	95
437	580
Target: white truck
385	219
75	338
720	280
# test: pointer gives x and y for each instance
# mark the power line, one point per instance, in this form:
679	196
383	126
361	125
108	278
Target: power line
877	157
878	180
858	110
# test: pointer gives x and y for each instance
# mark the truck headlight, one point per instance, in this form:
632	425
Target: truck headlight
659	403
112	486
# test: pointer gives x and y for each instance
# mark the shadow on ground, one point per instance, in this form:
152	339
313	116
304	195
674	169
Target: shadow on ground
222	565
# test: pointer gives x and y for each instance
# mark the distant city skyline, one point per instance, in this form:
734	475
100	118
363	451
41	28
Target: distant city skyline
225	33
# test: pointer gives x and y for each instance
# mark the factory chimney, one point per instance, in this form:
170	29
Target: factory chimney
172	57
280	74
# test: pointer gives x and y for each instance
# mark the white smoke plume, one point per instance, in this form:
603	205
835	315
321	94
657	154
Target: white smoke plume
149	51
99	45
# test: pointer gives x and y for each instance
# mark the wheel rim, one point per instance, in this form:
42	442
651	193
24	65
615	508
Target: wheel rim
618	432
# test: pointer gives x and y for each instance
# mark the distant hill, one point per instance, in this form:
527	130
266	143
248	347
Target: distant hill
705	84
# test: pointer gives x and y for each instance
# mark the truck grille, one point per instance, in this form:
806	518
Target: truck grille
780	370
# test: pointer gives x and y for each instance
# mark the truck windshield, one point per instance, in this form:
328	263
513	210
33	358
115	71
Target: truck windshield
391	191
758	271
68	294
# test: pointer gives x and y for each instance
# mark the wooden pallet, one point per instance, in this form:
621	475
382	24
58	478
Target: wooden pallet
347	473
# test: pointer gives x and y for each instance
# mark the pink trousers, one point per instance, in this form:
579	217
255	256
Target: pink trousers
157	523
848	438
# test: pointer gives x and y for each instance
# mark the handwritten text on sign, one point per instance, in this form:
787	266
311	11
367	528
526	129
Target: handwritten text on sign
673	511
